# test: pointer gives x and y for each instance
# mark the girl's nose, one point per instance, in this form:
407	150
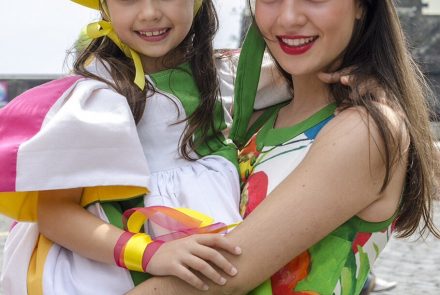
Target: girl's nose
149	10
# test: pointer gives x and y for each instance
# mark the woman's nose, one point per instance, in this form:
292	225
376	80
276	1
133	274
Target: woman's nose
292	14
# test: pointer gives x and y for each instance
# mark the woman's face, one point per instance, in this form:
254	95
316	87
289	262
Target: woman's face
307	36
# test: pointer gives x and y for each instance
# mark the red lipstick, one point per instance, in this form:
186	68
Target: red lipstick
296	45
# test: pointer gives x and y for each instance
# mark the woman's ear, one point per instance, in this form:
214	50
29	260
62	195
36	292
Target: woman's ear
360	9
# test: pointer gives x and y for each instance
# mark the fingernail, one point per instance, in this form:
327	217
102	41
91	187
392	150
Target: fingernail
222	281
205	288
237	250
234	271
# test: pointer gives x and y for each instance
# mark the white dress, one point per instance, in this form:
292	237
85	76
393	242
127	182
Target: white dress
110	150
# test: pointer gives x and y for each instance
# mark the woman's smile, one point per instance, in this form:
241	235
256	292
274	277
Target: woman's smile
295	45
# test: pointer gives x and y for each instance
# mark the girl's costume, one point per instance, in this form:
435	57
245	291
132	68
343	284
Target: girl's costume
78	132
339	263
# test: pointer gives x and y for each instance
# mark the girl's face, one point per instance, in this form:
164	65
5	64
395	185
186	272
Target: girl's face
307	36
152	28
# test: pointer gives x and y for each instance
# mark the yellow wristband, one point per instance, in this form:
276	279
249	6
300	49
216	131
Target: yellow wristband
134	251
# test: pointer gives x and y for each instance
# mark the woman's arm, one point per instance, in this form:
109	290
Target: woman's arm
341	176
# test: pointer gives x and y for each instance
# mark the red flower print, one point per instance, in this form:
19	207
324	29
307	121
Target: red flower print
360	240
254	192
247	158
285	280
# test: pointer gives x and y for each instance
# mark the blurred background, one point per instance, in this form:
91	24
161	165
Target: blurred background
36	35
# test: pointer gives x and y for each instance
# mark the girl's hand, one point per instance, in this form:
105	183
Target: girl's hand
182	257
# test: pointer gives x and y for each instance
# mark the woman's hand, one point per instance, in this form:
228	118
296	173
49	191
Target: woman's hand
196	253
345	77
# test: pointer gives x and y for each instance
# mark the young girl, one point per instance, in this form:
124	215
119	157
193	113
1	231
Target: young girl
324	188
90	140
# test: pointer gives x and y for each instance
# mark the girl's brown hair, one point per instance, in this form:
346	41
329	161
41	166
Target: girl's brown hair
196	48
378	50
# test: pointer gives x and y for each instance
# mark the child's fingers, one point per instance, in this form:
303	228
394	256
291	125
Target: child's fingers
205	268
212	255
220	242
188	276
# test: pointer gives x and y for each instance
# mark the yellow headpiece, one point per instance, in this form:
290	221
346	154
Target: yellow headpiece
95	4
104	28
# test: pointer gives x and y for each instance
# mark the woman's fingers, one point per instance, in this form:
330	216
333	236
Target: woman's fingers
368	86
336	77
329	78
347	80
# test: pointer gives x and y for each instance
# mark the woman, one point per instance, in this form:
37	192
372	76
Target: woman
343	178
328	188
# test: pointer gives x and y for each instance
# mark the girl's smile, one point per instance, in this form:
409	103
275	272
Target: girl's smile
154	35
152	28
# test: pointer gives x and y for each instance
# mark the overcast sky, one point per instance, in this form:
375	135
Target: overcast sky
36	34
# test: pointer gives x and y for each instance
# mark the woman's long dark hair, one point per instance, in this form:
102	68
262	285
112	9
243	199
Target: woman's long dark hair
378	50
196	48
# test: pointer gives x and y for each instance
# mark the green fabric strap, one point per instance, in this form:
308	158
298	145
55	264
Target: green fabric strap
262	119
246	83
179	82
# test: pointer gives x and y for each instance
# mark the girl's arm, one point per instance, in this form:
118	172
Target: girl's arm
340	177
62	220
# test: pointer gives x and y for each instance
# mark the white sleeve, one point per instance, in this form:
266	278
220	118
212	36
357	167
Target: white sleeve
88	138
272	87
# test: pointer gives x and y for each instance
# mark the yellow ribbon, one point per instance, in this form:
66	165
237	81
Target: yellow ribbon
94	4
138	219
105	28
134	251
135	247
197	5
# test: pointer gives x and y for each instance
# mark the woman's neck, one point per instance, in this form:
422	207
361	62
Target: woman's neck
309	96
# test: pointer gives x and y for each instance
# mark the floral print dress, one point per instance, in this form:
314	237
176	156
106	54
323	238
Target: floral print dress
339	263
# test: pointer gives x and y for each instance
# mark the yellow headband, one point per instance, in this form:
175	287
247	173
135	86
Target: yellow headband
94	4
105	28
